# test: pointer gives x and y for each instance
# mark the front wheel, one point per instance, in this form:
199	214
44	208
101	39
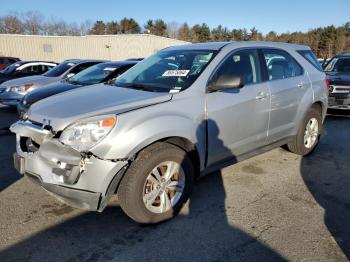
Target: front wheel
157	183
308	134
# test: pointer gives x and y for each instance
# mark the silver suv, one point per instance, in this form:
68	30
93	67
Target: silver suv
180	114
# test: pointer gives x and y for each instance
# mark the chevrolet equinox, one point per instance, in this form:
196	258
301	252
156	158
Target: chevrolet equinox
184	112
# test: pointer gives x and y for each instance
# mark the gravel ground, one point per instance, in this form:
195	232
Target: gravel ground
273	207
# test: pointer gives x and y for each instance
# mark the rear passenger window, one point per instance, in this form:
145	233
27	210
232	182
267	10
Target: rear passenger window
243	63
311	58
281	65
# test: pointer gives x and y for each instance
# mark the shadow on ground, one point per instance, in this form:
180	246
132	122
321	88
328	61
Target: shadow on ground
326	175
201	233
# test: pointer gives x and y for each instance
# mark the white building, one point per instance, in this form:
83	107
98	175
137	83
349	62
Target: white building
59	48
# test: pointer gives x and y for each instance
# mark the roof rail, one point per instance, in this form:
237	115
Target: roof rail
343	53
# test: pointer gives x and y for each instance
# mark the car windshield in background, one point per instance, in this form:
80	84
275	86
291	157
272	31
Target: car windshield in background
59	70
339	64
93	75
10	69
168	70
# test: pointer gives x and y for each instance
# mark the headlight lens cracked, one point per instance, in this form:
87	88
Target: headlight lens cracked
85	134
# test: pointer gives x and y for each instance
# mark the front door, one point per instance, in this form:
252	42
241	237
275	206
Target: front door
238	118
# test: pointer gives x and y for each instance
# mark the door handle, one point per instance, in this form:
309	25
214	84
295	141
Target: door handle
261	96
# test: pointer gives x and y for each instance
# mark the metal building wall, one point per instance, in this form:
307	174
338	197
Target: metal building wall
59	48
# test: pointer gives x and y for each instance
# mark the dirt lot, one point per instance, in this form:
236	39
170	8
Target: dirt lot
277	206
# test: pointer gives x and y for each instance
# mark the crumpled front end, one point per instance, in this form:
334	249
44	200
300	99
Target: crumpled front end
81	180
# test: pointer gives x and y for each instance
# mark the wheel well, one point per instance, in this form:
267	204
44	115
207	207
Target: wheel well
319	106
187	146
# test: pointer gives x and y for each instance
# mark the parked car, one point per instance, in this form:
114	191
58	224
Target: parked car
25	68
338	74
5	61
182	113
99	73
12	92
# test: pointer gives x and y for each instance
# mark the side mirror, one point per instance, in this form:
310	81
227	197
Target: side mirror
226	82
69	75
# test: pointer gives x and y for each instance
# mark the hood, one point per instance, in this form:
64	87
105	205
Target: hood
48	90
340	78
68	107
36	80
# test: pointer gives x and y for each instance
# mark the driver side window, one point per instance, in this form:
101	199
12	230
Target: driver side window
244	63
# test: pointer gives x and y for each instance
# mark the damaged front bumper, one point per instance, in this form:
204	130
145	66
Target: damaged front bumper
79	180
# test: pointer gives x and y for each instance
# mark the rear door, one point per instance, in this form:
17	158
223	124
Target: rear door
237	119
287	82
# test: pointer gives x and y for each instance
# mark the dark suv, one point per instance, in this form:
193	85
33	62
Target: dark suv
338	74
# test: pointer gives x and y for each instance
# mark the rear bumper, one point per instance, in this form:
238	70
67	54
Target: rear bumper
339	103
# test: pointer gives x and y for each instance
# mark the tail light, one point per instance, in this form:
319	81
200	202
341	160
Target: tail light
328	83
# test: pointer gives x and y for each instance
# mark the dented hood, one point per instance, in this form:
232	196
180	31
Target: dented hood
65	108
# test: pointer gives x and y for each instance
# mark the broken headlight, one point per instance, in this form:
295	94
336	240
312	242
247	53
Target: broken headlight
85	134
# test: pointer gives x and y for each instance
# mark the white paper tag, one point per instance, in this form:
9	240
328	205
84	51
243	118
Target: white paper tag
109	69
176	89
176	73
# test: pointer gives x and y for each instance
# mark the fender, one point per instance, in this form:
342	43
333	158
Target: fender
132	134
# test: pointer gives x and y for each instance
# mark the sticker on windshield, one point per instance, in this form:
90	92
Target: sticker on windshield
109	69
70	64
176	73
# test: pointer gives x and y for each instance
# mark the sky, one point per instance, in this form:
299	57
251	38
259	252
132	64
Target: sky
266	15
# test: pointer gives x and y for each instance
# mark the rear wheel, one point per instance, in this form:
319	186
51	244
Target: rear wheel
308	134
156	184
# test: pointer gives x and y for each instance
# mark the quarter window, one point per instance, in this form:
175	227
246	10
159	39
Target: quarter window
281	65
244	63
311	58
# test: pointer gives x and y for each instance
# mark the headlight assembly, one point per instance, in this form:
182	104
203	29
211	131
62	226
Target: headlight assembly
85	134
19	89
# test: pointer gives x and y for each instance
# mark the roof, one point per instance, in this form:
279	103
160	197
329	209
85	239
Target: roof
220	45
79	61
343	54
34	61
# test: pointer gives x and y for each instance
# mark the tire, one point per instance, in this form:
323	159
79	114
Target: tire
140	183
298	145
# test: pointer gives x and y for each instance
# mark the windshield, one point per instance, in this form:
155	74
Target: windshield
10	69
59	70
167	70
339	64
93	75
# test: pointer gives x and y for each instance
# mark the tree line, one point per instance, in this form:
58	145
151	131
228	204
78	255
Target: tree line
324	41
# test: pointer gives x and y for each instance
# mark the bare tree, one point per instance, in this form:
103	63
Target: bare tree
33	22
172	29
11	24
